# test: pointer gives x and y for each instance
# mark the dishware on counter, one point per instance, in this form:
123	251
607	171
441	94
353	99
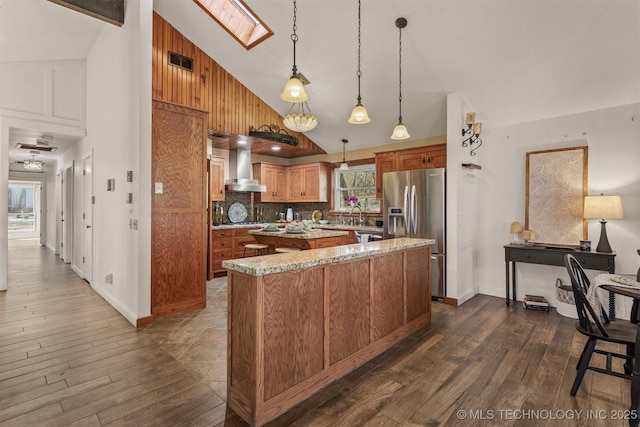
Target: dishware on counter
281	216
271	227
289	214
297	216
316	216
296	229
324	221
237	212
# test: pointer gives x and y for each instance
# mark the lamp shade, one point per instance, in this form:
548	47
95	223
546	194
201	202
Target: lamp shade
602	207
400	132
359	115
516	227
294	91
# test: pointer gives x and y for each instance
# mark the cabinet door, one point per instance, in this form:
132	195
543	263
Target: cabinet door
311	189
296	184
385	162
437	157
280	183
411	160
216	179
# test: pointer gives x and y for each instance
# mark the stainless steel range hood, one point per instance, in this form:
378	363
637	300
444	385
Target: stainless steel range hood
244	180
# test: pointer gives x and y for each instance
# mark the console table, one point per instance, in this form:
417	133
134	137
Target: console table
555	256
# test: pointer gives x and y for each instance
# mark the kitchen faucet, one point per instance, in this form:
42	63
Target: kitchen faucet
360	220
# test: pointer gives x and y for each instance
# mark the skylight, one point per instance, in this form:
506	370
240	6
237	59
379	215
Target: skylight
238	19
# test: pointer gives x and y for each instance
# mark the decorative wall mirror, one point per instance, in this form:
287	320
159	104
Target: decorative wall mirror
555	190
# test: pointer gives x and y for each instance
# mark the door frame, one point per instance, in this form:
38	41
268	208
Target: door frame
66	213
87	216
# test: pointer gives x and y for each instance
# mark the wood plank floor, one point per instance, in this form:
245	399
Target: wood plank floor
68	358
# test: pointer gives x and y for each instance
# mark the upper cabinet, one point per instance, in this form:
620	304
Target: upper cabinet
385	162
431	156
427	157
216	179
275	178
309	183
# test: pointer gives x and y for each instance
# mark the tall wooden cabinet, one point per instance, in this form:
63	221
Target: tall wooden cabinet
275	178
427	157
178	209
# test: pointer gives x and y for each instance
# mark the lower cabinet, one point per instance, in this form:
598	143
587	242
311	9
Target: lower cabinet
226	244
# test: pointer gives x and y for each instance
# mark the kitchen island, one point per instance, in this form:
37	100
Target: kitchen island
299	321
312	239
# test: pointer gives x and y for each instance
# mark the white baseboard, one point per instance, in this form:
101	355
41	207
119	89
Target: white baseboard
77	271
52	249
115	304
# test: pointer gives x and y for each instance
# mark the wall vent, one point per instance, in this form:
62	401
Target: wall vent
181	61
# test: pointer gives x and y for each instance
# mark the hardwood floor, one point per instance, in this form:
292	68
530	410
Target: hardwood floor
68	358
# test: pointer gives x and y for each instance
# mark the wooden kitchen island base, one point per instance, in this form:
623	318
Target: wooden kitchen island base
298	324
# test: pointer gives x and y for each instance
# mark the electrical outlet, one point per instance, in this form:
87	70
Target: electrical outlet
108	279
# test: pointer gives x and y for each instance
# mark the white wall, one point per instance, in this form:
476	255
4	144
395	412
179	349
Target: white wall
119	133
613	138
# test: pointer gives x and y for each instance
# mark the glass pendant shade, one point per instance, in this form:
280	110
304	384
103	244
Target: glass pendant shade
294	91
300	122
359	115
344	167
400	132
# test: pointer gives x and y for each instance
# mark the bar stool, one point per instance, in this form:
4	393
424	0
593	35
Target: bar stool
286	250
257	249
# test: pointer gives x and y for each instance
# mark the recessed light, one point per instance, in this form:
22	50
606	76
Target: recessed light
275	148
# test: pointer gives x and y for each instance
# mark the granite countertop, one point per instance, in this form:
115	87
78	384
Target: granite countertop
364	228
311	234
277	263
368	228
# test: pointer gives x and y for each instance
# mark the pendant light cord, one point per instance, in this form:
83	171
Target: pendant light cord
400	77
359	73
294	38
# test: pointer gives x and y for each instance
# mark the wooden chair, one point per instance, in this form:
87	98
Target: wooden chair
591	325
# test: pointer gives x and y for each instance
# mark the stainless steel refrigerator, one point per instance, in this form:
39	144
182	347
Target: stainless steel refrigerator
414	205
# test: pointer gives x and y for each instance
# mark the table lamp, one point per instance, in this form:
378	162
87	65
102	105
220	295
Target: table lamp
603	207
516	233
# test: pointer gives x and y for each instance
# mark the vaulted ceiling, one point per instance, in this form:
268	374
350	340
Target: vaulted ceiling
512	61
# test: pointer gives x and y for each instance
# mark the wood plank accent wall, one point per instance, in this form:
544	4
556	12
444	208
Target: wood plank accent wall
232	107
179	214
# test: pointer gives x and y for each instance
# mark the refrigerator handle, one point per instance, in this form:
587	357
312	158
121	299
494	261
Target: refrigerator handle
414	208
406	211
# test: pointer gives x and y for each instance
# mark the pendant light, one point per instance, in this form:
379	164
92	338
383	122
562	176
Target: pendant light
400	131
344	166
359	115
294	89
299	118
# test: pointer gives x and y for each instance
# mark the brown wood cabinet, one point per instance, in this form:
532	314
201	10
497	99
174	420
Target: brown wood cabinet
178	209
216	179
275	178
385	162
427	157
293	332
227	244
309	182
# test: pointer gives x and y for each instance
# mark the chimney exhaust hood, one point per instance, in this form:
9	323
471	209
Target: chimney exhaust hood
244	180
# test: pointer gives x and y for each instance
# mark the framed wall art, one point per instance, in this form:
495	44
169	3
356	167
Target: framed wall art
555	189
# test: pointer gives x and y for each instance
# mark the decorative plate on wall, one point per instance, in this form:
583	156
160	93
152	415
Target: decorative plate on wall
237	212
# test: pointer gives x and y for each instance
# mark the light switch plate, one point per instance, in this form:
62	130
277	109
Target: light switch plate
158	188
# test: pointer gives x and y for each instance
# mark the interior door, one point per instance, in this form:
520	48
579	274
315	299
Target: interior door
66	215
87	217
